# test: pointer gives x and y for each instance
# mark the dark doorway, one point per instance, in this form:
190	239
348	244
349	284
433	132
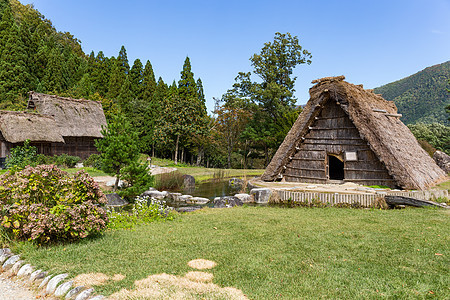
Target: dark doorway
335	168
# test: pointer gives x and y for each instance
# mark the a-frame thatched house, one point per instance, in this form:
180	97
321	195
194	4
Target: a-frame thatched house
346	133
78	121
60	125
17	127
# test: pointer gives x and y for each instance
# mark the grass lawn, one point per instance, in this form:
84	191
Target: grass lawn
271	252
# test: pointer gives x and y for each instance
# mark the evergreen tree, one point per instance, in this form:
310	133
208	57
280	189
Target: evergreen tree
120	156
54	79
14	78
186	85
201	97
125	98
136	78
148	82
100	74
116	80
122	61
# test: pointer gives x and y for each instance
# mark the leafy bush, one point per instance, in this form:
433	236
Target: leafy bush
436	134
136	181
144	210
45	204
22	156
66	161
94	160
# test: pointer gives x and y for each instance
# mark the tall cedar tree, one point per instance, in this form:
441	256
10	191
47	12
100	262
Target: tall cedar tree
136	78
14	77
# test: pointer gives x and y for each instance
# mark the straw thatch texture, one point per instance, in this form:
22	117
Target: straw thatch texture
377	122
17	127
74	117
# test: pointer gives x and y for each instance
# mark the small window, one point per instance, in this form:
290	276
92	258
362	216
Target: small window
351	156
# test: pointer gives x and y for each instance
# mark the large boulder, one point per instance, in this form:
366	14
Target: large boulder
442	160
155	194
236	182
197	200
261	195
245	198
189	181
115	200
227	201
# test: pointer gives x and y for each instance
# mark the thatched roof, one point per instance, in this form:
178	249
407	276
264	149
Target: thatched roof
378	123
74	117
19	126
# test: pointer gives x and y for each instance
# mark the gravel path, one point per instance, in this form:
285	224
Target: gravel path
14	290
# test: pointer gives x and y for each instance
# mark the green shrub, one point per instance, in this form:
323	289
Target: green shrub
45	204
22	156
94	160
66	161
136	181
144	210
42	159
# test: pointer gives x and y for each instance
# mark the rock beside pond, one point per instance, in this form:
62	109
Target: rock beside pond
155	194
197	200
184	198
188	208
227	201
174	196
236	182
261	195
189	181
115	200
245	198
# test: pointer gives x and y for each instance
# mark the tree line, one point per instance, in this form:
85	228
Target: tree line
170	120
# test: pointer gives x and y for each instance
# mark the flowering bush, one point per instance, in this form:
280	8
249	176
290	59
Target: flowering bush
144	210
45	204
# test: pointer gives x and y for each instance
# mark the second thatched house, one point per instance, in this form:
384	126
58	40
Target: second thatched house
78	121
347	133
59	125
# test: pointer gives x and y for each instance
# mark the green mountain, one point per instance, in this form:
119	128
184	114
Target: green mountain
421	97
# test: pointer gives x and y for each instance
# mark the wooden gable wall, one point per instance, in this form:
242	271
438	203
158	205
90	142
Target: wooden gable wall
332	133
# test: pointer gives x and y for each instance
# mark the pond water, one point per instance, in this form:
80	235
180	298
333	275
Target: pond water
212	189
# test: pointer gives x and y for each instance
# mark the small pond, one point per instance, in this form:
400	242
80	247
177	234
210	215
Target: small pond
213	188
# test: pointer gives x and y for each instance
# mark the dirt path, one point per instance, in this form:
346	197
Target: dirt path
14	289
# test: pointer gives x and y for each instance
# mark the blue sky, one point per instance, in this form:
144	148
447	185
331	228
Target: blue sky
370	42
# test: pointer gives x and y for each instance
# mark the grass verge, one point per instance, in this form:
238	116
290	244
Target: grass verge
270	252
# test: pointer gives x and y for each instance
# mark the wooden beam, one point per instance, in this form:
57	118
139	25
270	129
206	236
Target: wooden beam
400	200
364	170
373	179
306	169
329	128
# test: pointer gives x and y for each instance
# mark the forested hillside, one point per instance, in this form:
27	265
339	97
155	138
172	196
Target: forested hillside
249	123
422	97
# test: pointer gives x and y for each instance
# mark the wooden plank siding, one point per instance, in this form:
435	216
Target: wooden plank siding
333	133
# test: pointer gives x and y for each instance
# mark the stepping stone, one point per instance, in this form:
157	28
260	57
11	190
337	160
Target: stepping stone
85	294
16	267
63	288
36	275
26	270
45	281
74	292
10	262
53	283
4	257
